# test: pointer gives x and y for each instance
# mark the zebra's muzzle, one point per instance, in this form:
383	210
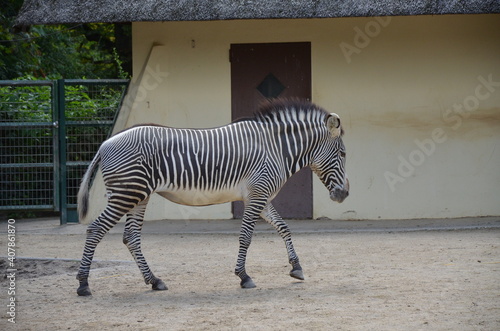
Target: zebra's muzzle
340	193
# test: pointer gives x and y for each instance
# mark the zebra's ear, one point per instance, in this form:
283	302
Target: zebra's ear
333	124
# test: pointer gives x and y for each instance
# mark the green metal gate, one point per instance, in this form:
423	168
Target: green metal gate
27	135
49	133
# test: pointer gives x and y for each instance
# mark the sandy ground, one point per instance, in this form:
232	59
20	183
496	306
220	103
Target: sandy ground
364	276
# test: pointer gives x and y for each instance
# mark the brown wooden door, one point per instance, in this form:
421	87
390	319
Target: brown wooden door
260	71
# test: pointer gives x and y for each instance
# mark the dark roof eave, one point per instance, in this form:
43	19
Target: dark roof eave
115	11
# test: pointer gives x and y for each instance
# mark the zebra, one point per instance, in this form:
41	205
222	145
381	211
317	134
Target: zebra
249	159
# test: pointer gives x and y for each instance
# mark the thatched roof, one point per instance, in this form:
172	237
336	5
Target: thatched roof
114	11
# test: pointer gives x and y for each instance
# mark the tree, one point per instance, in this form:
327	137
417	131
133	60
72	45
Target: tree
62	51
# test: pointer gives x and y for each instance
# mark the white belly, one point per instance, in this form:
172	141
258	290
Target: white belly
202	198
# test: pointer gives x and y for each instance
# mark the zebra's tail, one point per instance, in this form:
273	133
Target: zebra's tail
83	192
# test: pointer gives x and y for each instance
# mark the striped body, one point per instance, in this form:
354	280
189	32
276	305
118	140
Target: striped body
183	168
247	160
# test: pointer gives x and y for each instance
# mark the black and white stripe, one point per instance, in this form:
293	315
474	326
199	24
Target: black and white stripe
247	160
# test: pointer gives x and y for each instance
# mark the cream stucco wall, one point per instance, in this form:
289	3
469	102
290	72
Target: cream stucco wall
398	83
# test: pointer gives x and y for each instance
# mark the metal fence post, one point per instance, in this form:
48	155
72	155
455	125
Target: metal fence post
55	144
61	148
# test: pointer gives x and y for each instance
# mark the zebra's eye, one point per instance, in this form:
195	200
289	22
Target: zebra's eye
342	154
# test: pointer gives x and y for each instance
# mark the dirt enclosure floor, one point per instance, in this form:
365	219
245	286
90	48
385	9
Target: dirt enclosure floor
380	275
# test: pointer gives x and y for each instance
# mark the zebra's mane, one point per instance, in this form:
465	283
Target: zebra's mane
281	109
282	106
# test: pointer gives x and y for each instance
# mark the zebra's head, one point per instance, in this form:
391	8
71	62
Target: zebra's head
329	160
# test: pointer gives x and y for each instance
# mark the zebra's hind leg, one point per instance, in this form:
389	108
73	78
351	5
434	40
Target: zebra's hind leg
95	232
132	239
272	217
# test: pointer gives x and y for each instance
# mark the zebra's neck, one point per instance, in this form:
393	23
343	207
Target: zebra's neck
294	142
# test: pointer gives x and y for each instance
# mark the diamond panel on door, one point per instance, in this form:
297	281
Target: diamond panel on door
271	87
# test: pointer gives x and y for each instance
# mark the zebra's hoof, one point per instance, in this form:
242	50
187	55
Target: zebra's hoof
247	283
297	273
159	285
84	291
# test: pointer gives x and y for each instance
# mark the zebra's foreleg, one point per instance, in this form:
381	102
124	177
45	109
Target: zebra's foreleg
252	210
272	217
95	232
245	240
132	239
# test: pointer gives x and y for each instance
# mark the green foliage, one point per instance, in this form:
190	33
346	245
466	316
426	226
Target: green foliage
34	103
62	51
25	104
